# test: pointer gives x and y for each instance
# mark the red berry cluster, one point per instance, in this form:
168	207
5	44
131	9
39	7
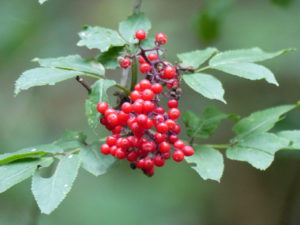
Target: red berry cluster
143	132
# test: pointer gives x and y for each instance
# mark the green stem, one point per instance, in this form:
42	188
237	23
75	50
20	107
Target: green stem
94	76
125	90
221	146
203	69
133	73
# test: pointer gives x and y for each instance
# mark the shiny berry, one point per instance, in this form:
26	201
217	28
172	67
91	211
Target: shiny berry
178	156
142	60
140	34
145	84
102	107
111	140
125	63
174	113
162	127
148	164
152	56
172	103
161	38
159	161
188	150
179	144
120	154
105	149
126	107
112	119
164	147
135	95
169	72
157	88
132	156
145	68
147	95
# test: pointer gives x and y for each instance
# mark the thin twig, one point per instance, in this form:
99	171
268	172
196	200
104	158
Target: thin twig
85	85
137	6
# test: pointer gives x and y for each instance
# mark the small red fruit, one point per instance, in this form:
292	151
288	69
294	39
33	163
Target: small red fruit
145	68
125	63
188	150
172	103
152	56
178	156
157	88
140	34
174	113
102	107
161	38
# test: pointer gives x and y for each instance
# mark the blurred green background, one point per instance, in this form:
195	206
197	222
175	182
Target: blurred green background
176	194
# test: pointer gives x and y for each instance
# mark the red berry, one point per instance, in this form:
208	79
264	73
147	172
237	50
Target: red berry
142	120
117	130
112	119
164	147
161	38
149	172
172	103
166	155
126	107
179	144
170	123
159	161
132	156
145	68
109	111
102	107
159	110
105	149
145	84
111	140
149	124
176	129
148	164
137	107
113	150
140	34
125	63
152	56
135	95
142	60
188	150
147	95
159	137
158	119
174	113
169	72
157	88
162	127
123	117
173	138
148	146
141	163
120	154
148	106
178	156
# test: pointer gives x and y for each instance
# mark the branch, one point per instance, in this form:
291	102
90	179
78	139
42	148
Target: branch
137	6
85	85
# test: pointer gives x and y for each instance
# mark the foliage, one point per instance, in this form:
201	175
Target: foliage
254	142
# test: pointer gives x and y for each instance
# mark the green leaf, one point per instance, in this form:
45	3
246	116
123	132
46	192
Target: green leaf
100	38
196	58
33	152
249	71
71	140
97	95
259	122
244	56
15	172
208	162
42	1
72	62
133	23
206	85
293	136
94	162
43	76
257	149
204	125
50	192
282	2
109	58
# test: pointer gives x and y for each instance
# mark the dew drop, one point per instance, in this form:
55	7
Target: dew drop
70	156
33	150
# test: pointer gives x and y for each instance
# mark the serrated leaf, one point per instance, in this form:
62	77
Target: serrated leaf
72	62
207	162
97	95
32	152
71	140
196	58
100	38
259	122
50	192
249	71
94	162
43	76
135	22
257	149
204	125
109	58
244	56
206	85
15	172
293	136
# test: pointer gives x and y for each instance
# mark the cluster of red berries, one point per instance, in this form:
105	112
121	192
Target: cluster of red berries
143	132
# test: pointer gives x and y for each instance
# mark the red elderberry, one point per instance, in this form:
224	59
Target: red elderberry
140	34
125	63
161	38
